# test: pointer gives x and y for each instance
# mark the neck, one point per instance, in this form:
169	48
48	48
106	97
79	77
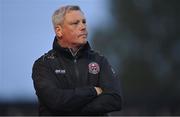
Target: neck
73	48
74	51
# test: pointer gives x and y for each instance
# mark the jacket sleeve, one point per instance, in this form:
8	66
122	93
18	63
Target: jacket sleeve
110	99
52	96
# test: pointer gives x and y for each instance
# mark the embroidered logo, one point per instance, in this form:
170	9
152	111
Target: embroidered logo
93	68
60	71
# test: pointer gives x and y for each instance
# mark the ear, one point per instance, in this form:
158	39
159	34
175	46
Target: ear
58	31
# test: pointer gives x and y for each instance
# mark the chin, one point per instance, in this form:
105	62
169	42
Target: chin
80	41
83	41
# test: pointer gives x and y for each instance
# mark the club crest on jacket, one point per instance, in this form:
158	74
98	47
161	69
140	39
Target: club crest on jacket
93	68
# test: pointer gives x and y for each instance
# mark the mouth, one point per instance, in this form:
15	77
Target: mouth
82	35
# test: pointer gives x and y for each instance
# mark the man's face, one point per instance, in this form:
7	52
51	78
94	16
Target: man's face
73	30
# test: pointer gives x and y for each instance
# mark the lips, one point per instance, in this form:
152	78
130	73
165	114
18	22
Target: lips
84	34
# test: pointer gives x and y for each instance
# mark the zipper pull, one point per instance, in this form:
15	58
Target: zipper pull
75	61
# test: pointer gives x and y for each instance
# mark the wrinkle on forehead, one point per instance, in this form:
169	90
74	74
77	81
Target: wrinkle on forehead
74	15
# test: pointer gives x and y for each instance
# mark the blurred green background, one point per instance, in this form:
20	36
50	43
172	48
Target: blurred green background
143	45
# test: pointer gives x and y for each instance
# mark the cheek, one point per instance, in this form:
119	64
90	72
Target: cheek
74	35
71	36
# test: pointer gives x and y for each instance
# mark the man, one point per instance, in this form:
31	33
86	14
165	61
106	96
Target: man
72	79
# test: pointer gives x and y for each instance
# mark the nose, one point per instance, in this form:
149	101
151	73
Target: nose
82	26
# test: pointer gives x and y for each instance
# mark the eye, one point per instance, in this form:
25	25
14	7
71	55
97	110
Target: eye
75	23
84	21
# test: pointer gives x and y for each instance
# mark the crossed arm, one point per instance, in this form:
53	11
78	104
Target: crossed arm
91	99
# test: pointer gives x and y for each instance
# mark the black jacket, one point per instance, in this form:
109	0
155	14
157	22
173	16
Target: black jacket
64	83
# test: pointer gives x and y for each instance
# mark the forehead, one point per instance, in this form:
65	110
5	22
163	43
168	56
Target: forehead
74	15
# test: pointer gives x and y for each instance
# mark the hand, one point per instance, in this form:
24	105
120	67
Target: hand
98	90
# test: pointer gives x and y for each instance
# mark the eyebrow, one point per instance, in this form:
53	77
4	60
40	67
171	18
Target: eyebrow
83	20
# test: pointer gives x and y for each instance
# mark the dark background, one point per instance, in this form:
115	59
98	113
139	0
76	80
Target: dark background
143	46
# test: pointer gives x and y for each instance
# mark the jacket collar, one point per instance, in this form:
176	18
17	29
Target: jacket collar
66	51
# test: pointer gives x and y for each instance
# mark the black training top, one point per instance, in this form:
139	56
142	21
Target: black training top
64	83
